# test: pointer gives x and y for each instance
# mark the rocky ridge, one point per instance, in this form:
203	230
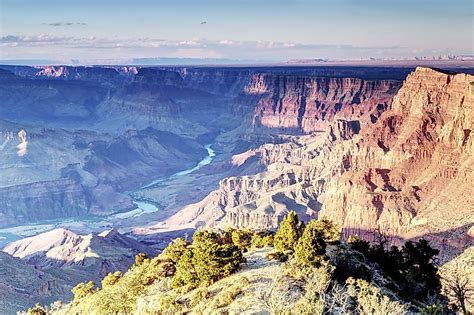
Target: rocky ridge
310	104
401	175
74	257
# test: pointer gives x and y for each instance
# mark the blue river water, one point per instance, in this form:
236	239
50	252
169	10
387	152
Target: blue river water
10	234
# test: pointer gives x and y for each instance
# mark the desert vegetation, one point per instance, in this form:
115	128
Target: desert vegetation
299	269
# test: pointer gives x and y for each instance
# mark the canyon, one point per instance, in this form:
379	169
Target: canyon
398	176
90	149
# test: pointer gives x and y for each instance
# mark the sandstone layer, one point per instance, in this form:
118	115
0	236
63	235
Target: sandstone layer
408	175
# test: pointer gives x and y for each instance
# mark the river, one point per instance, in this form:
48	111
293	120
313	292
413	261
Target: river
98	223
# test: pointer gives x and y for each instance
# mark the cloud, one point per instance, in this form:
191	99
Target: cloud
65	24
46	46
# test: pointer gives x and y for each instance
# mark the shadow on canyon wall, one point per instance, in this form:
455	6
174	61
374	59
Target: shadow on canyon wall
450	243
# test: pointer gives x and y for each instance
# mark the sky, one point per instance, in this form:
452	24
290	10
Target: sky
265	30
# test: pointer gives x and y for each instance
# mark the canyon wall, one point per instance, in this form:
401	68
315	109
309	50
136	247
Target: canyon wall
409	174
114	129
309	104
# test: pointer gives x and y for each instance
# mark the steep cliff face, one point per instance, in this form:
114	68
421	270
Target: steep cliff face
415	166
409	174
39	200
309	104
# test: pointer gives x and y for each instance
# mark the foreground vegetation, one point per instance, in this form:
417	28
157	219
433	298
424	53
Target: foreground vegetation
300	269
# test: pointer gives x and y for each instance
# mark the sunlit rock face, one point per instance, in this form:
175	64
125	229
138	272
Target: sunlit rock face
45	267
310	104
368	153
79	256
93	134
409	174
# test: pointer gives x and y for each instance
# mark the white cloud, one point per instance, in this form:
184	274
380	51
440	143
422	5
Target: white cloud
48	46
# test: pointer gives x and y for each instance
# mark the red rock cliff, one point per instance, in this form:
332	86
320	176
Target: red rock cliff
309	104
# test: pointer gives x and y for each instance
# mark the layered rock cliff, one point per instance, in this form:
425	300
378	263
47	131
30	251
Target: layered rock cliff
310	104
409	174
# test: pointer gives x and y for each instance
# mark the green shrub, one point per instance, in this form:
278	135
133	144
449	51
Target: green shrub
358	244
82	290
169	304
262	239
331	233
159	267
140	259
37	310
206	261
185	275
412	268
369	299
213	261
200	295
288	233
228	295
350	264
435	309
242	239
311	247
111	279
176	249
316	285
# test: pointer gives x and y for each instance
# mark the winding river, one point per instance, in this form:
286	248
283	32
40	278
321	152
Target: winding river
144	206
94	223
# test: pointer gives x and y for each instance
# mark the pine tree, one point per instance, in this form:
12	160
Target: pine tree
242	238
212	260
111	278
37	310
311	247
175	250
288	233
330	231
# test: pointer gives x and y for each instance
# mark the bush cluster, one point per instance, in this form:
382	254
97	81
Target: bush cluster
307	243
412	268
210	258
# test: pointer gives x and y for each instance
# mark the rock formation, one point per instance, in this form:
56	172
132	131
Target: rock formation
111	130
309	104
409	174
75	257
22	285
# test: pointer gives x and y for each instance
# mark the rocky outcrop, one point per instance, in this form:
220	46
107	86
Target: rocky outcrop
310	104
22	285
39	200
78	257
408	175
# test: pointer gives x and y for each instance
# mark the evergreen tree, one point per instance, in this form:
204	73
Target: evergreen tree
330	231
37	310
288	233
242	238
111	278
82	290
311	247
140	259
185	275
419	270
206	261
213	261
175	250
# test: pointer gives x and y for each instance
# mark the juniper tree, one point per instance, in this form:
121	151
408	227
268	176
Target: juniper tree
288	233
311	247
